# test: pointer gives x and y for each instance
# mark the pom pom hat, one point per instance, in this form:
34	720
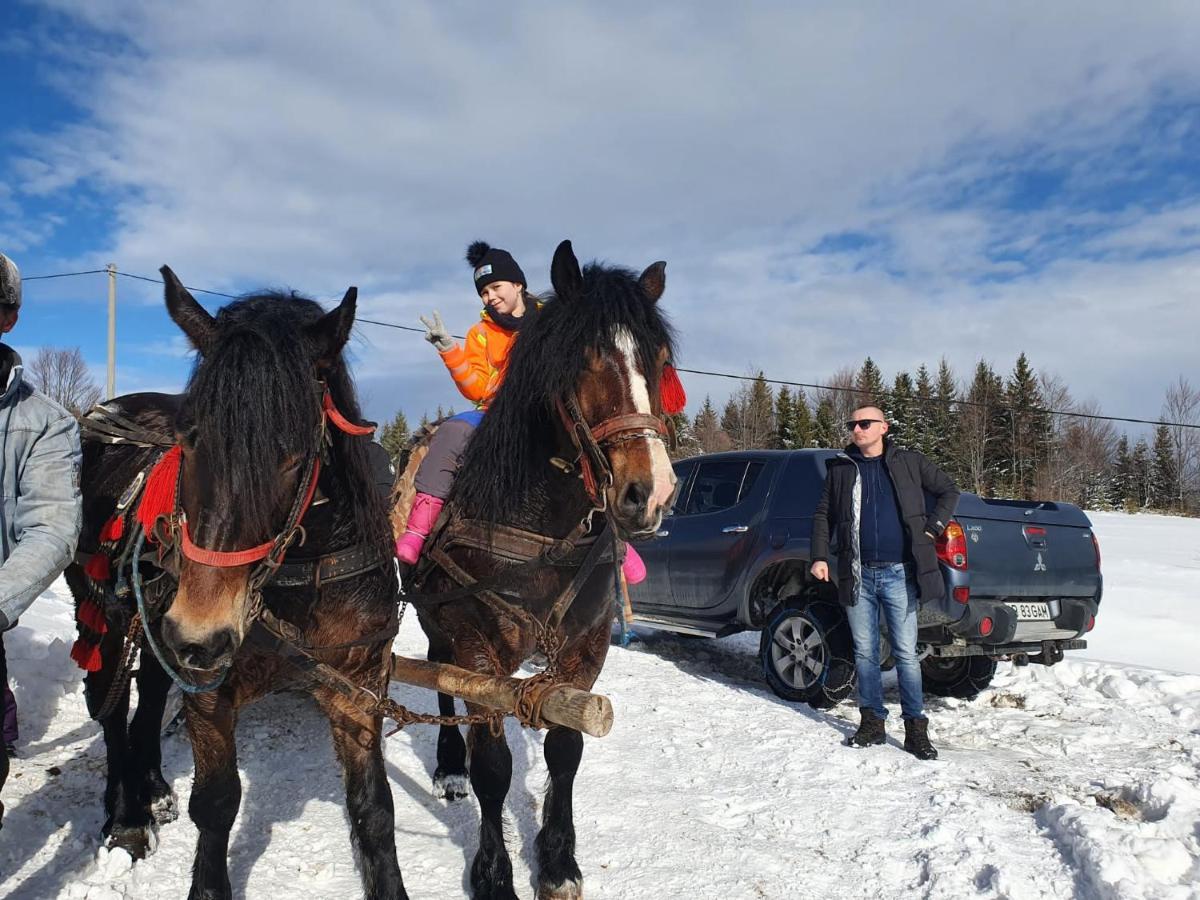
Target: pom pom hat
493	264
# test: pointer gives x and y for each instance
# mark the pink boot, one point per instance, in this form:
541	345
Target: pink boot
421	519
633	568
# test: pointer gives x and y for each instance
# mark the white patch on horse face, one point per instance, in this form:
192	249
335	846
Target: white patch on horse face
663	474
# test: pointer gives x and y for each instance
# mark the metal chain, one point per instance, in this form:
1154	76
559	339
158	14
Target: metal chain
125	672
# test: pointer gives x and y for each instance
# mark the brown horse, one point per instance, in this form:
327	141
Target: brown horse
571	447
273	513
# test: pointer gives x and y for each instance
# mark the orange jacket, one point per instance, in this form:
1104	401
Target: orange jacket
478	368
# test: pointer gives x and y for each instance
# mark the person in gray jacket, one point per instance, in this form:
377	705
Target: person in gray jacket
40	512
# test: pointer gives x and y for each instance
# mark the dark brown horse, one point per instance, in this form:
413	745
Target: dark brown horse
587	365
268	461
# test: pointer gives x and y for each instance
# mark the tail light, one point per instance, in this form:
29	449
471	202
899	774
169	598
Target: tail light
1091	623
962	594
952	546
985	626
1096	547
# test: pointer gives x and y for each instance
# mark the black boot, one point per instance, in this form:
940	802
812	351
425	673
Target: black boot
916	739
870	731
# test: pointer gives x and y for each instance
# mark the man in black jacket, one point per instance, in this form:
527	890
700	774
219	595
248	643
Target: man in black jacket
874	502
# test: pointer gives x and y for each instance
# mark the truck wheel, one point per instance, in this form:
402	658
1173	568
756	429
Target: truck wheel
807	653
957	676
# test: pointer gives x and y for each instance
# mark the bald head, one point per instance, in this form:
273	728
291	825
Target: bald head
868	412
867	428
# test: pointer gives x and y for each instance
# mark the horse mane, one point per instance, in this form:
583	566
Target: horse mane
255	394
517	436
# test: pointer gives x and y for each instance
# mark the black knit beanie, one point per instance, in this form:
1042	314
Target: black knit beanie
493	264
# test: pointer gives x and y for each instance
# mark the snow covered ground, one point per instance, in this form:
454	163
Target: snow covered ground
1078	781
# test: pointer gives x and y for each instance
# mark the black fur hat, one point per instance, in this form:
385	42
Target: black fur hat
493	264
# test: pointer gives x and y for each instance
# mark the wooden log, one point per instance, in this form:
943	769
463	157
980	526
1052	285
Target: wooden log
562	704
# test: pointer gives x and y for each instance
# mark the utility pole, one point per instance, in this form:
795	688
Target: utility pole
111	387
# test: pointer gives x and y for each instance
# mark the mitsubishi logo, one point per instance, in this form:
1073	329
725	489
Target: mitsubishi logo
1039	566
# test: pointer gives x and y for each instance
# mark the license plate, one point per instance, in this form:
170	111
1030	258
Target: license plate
1032	611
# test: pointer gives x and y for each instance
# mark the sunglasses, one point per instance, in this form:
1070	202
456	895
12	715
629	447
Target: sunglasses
864	424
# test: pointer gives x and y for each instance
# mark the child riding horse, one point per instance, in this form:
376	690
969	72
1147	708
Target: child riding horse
477	369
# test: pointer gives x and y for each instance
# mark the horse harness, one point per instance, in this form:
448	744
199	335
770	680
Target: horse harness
273	565
530	550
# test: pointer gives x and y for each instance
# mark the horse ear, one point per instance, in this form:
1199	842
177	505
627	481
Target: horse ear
565	276
654	280
330	332
192	318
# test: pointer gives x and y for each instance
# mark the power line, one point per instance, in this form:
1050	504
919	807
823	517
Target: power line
62	275
160	281
779	381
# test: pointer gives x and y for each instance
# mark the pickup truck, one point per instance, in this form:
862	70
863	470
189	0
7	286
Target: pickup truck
1022	578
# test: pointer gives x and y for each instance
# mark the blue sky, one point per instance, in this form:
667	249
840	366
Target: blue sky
824	180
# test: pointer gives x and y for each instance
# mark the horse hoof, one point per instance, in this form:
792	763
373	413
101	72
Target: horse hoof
449	787
571	889
164	809
137	842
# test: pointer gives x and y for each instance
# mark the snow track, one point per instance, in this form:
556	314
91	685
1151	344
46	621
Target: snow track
1077	781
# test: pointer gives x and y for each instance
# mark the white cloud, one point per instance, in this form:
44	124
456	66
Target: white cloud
316	145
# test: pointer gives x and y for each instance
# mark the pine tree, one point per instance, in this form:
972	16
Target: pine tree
802	426
758	416
1024	443
707	430
394	437
731	424
1164	476
923	413
1120	486
944	423
869	383
826	431
900	412
981	428
785	420
1140	474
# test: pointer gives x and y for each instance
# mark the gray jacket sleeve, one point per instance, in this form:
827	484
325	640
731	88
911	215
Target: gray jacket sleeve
47	521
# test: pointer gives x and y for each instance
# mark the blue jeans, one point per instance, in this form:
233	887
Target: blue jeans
893	592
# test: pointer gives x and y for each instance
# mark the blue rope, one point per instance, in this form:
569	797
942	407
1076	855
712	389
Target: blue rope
136	578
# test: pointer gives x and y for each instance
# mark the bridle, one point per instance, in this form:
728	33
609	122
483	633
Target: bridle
171	531
590	440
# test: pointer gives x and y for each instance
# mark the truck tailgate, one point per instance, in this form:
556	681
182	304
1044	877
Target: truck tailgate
1026	549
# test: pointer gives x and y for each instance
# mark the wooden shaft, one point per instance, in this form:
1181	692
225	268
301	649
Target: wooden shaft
562	704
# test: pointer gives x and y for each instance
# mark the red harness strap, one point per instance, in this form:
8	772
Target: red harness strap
224	559
340	422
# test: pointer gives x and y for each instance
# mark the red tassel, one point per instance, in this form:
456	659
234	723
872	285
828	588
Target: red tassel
112	530
91	616
671	390
97	568
87	655
158	498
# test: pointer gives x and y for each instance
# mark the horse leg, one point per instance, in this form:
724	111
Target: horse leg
145	736
356	740
491	775
217	791
559	877
128	825
450	777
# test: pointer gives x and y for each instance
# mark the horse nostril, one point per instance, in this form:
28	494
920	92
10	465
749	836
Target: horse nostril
635	498
209	654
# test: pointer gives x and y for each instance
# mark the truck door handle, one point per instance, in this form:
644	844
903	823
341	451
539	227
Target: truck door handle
735	529
663	533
